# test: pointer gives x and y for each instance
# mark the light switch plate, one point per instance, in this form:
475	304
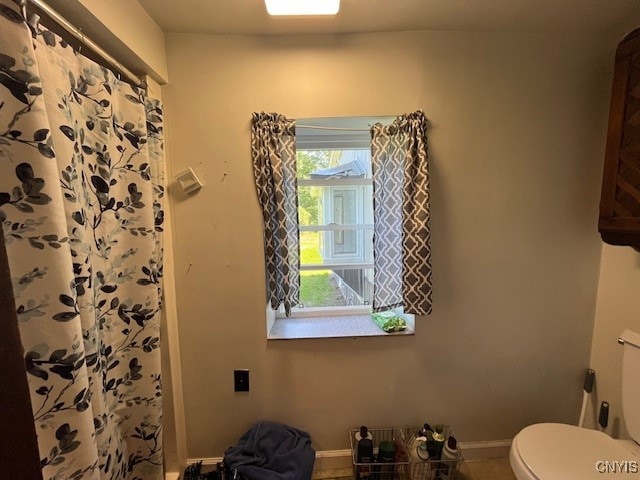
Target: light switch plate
188	181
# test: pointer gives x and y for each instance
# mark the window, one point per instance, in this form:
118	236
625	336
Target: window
335	208
316	188
335	214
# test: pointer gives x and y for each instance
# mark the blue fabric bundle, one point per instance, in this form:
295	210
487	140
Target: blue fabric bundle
272	451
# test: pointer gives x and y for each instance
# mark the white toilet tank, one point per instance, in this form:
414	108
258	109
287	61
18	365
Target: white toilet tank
631	382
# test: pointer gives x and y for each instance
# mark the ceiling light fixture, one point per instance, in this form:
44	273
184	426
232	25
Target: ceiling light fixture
302	7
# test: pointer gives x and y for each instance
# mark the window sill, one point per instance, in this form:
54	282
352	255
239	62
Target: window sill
338	326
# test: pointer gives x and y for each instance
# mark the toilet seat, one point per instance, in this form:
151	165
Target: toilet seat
554	451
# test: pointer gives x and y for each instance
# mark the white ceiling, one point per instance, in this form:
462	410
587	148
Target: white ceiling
550	16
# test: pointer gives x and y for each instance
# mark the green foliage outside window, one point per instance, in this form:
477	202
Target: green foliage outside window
309	198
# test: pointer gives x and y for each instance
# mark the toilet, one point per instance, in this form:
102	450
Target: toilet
555	451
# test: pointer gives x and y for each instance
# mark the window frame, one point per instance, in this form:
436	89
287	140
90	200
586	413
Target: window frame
301	312
336	140
355	320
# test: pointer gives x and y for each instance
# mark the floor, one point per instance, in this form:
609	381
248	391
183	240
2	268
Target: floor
494	469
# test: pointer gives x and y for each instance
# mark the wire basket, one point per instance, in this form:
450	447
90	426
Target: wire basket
403	468
399	469
431	469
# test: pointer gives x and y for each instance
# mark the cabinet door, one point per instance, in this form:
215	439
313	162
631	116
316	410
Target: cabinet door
620	203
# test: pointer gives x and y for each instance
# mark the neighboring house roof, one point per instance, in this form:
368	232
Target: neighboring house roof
350	169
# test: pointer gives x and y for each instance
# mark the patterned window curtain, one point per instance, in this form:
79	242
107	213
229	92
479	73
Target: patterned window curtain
401	245
273	151
81	212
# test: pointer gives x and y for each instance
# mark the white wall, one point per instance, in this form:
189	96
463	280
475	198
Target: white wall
122	28
517	135
618	309
173	432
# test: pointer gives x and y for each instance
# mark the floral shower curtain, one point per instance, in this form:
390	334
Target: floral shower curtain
401	215
81	212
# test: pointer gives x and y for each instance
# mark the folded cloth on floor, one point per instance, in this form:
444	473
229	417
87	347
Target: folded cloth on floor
272	451
389	321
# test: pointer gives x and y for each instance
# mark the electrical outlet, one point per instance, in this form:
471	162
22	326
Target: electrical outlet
241	380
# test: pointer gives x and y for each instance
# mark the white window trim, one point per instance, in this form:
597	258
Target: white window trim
339	266
334	182
320	325
304	312
334	227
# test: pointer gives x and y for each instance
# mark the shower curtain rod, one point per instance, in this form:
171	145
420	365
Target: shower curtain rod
77	33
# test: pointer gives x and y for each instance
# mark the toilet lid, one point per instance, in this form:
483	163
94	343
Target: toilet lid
554	451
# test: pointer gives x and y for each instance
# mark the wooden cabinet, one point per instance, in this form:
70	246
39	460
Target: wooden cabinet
620	202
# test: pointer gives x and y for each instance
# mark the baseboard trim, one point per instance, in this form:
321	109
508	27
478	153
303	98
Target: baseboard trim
486	449
333	460
208	461
325	460
339	459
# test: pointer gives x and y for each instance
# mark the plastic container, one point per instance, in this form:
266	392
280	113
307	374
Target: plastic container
450	453
386	458
439	438
444	468
396	470
418	455
364	453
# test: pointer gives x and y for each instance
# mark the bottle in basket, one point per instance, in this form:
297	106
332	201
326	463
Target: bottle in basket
438	440
401	450
419	456
364	440
450	455
386	455
425	431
